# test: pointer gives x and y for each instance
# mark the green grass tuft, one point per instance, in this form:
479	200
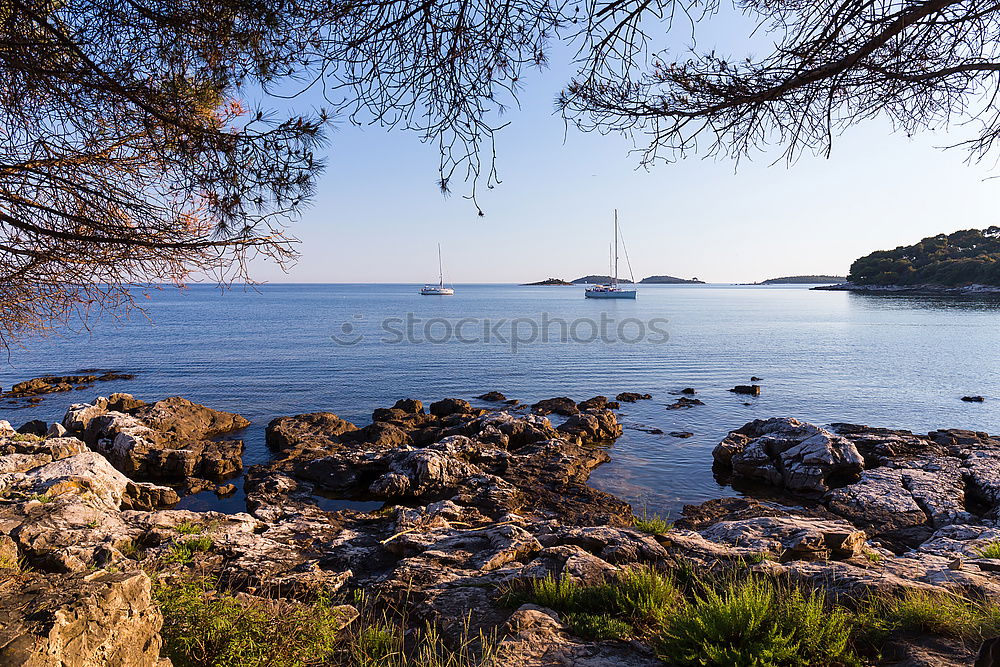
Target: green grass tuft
873	557
183	553
991	550
634	600
204	627
757	622
188	528
653	524
931	612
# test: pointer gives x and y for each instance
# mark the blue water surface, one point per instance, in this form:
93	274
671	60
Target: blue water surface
275	350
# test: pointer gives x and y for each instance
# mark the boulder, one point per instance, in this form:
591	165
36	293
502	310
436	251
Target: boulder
684	402
632	397
120	402
315	431
144	453
34	427
492	397
185	420
559	405
593	426
790	538
786	452
749	390
409	406
79	620
79	415
595	403
450	406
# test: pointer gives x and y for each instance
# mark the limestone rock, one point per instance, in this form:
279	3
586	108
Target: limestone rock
318	431
789	453
76	620
790	537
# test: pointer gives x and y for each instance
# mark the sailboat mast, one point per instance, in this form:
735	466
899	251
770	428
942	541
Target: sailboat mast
614	279
440	268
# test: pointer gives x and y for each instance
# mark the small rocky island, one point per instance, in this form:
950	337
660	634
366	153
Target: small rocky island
548	281
650	280
595	279
803	280
476	533
670	280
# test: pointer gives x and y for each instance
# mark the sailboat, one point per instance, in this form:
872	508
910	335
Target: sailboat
613	290
439	289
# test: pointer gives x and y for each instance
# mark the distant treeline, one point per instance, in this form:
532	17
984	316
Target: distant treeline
803	280
968	257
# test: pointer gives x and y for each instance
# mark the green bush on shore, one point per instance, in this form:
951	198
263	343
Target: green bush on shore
205	627
737	618
654	524
729	618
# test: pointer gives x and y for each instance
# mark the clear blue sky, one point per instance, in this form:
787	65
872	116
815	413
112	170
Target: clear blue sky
379	215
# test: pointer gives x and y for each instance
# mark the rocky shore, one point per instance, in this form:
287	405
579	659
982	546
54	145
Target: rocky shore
470	505
916	290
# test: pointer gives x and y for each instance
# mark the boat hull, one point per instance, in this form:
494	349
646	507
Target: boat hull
438	291
623	294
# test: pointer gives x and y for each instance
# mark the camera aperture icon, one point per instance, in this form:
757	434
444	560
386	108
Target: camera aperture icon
349	332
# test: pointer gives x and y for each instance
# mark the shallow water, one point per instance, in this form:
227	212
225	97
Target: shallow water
824	356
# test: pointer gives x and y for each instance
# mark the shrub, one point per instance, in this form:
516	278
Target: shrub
932	612
598	626
202	628
653	524
757	622
991	550
631	603
188	528
183	553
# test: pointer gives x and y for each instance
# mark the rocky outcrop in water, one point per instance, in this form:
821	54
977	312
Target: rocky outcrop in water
171	440
788	453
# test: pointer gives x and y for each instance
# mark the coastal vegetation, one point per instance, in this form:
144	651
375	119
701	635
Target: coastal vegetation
803	280
205	626
967	257
654	524
735	617
489	545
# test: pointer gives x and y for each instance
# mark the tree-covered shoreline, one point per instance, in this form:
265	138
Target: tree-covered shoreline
966	257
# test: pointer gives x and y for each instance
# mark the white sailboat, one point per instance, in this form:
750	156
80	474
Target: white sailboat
439	289
614	289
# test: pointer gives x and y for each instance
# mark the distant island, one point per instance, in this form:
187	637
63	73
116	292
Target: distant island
599	280
670	280
651	280
966	261
549	281
803	280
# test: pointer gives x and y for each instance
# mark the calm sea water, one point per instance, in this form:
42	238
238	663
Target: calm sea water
823	356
